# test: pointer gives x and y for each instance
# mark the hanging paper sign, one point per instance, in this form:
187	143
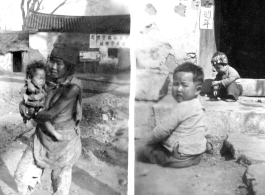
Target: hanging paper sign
93	41
206	17
110	41
88	56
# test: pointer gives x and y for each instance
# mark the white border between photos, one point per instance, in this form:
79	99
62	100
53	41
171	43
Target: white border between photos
131	149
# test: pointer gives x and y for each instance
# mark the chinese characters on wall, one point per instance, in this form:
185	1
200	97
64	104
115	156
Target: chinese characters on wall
206	17
109	40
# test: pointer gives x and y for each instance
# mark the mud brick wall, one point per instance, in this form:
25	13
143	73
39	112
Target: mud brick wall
6	61
167	34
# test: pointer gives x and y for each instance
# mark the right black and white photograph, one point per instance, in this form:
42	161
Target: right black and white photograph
199	97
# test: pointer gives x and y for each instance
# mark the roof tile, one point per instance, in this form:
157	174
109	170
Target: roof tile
90	24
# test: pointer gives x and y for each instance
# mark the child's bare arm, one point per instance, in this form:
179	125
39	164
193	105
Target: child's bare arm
216	83
31	87
40	104
50	128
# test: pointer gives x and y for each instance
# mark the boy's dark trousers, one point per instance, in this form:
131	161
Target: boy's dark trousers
158	154
235	90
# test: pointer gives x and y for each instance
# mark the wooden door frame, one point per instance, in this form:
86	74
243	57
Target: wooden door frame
207	44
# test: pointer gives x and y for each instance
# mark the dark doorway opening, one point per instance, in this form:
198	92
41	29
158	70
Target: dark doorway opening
240	33
17	61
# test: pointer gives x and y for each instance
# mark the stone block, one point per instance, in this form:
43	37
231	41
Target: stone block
253	87
143	118
163	108
151	85
149	58
171	63
246	148
142	132
254	177
221	118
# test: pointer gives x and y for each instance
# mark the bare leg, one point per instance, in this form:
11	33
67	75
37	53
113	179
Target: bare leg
234	90
27	174
61	180
157	154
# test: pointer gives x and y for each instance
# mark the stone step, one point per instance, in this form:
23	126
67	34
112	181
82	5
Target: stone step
251	87
255	178
222	118
246	148
227	117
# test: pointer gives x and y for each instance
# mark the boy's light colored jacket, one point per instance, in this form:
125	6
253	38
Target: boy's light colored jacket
184	128
229	77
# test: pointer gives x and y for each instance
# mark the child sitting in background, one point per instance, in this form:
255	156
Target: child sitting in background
34	95
227	83
179	139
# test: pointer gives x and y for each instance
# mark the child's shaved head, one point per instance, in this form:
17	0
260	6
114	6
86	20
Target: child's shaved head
198	75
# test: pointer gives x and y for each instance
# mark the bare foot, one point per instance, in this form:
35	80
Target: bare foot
209	147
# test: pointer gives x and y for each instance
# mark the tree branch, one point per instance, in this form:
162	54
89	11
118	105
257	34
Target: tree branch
28	2
60	5
38	6
23	13
41	4
32	7
71	1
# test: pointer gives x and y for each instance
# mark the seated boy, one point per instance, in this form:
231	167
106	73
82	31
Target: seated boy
179	139
227	82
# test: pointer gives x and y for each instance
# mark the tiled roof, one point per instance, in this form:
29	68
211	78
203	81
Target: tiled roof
14	41
89	24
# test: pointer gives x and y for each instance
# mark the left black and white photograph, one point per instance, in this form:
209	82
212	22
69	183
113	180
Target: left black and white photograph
64	97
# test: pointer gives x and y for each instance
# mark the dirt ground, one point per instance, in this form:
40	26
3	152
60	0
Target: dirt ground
212	176
217	174
102	168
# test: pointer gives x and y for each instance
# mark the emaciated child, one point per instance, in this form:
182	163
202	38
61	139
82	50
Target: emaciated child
34	95
178	140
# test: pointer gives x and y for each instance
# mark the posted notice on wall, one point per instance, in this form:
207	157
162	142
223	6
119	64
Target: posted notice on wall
109	40
88	56
206	17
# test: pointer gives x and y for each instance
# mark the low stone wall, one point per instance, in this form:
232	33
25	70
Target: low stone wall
251	87
221	118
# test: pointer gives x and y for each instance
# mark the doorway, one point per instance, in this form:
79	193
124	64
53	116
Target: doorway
17	61
240	33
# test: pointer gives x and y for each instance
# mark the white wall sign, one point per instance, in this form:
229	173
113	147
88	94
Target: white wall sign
109	40
88	55
206	17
